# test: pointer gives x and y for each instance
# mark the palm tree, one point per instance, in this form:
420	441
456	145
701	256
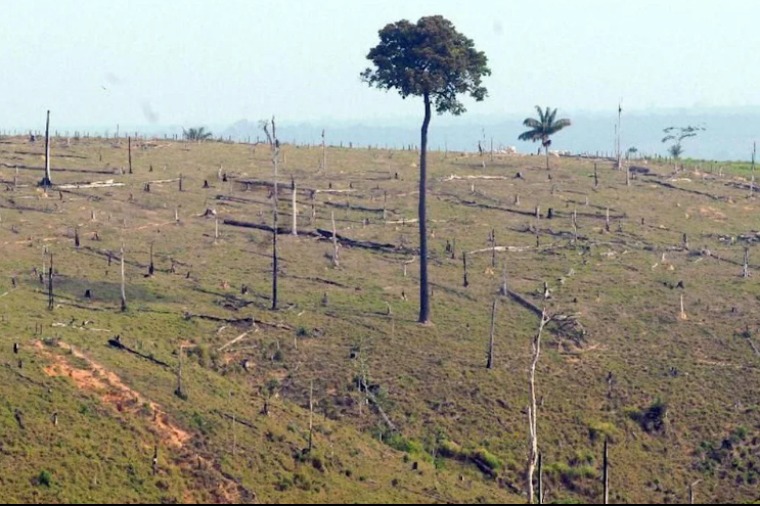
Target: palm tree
542	128
196	134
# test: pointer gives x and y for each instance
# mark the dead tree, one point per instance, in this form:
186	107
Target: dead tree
180	392
575	226
335	259
123	283
493	248
274	146
606	472
311	415
129	151
51	298
151	266
489	365
596	176
76	237
752	183
465	282
504	289
607	220
47	181
533	409
745	269
294	206
324	152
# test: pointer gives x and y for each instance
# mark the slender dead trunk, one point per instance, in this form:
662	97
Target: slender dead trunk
489	365
596	176
540	478
335	258
424	290
606	472
275	266
123	283
51	299
295	207
311	415
129	151
324	152
48	180
745	268
533	409
180	392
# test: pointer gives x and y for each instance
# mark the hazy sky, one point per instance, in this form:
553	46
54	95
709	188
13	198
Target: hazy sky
189	62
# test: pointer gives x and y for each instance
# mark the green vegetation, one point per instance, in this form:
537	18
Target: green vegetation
543	128
460	429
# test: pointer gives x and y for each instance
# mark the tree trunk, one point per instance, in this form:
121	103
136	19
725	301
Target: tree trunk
129	150
47	181
489	365
424	291
123	283
533	409
275	266
546	148
606	476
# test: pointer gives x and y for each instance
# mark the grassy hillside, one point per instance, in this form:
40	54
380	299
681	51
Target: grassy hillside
677	395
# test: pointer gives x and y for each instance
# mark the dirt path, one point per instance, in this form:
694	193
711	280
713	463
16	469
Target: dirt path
113	391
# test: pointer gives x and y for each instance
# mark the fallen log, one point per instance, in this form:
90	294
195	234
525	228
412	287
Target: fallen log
353	243
94	184
454	177
117	344
237	321
501	249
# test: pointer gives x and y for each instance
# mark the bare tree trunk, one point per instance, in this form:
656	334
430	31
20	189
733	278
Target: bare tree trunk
295	208
533	409
335	258
493	248
596	176
540	478
51	299
311	415
607	220
752	183
123	283
48	180
504	290
575	226
180	392
424	290
275	267
324	152
606	472
151	266
489	365
129	150
745	269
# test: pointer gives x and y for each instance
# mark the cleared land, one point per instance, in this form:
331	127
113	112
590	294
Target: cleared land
461	430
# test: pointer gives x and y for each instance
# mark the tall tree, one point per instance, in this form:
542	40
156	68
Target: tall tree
432	60
542	128
677	135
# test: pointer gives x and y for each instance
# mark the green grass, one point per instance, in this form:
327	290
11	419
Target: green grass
431	381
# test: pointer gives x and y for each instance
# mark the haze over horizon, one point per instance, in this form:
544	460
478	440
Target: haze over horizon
147	65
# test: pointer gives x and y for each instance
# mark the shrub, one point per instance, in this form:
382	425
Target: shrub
488	459
651	419
45	479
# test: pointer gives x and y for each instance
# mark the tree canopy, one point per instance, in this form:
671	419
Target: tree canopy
429	58
196	134
677	135
544	127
